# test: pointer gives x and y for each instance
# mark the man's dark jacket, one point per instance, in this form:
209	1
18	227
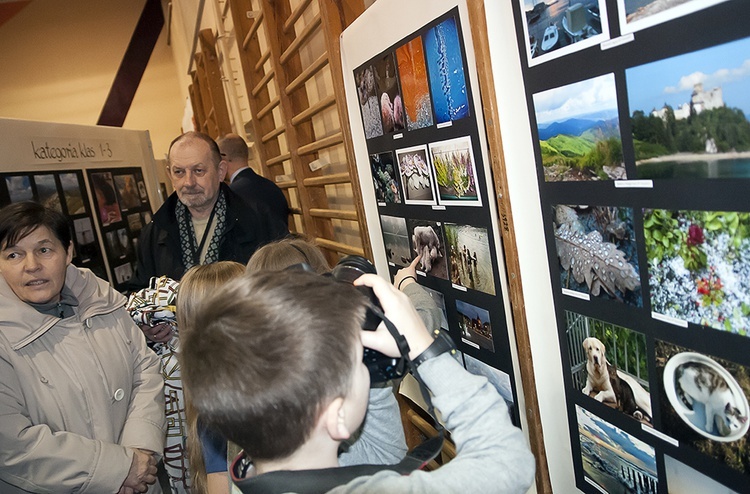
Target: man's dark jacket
259	191
159	250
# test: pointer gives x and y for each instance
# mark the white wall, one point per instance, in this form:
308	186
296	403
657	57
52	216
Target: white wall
59	59
532	253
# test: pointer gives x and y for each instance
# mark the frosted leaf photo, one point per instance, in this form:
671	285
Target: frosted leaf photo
579	131
597	251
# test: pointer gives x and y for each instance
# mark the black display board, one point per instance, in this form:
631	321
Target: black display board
433	199
640	113
123	209
65	192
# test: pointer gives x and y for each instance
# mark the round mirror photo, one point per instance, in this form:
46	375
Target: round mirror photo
706	397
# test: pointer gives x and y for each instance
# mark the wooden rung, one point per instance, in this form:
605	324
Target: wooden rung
253	29
295	15
326	142
307	74
314	110
296	211
263	59
332	179
278	159
268	108
274	133
262	83
300	39
338	214
287	184
339	247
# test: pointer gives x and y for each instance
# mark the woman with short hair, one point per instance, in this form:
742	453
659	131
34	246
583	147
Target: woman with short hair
81	403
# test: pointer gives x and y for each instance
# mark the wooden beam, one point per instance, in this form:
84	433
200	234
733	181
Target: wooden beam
339	214
478	29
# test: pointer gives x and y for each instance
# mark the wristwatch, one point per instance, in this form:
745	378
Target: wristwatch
442	344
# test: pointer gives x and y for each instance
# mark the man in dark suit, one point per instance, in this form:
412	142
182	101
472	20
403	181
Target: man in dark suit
253	188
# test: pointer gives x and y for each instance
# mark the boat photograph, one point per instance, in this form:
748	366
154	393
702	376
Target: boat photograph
551	37
558	27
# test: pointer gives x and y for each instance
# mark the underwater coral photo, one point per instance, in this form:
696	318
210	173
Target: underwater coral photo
699	267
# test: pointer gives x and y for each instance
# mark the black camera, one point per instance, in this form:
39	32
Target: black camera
382	367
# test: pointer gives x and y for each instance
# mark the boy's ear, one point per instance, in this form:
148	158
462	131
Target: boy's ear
334	416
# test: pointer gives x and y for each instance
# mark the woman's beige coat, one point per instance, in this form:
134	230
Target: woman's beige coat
76	394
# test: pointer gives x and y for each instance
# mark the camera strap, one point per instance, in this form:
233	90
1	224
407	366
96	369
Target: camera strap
403	348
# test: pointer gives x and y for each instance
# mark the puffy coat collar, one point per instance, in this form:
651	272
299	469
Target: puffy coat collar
21	324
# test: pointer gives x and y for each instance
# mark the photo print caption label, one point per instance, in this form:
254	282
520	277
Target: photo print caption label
667	439
634	184
443	125
669	319
470	343
619	41
575	294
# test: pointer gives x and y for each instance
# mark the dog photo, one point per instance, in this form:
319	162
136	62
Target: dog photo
613	460
396	240
475	326
427	240
609	364
703	402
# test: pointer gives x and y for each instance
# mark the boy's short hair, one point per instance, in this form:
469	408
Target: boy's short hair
274	348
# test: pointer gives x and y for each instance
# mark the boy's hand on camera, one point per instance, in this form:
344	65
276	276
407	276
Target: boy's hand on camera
401	312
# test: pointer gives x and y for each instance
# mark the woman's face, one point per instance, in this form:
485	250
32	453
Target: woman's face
35	267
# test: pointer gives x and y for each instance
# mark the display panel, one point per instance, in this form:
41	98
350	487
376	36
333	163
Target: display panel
641	145
123	210
427	181
64	192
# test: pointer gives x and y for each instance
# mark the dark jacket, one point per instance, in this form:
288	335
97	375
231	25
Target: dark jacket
159	250
261	192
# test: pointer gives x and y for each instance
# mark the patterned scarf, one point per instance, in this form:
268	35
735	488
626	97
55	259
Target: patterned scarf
188	242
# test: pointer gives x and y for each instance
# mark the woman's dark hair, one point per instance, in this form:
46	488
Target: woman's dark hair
21	218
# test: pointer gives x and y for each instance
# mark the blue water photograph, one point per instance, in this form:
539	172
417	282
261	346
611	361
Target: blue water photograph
445	63
690	114
613	460
579	131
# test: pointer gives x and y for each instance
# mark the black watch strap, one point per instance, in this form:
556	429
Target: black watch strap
442	344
